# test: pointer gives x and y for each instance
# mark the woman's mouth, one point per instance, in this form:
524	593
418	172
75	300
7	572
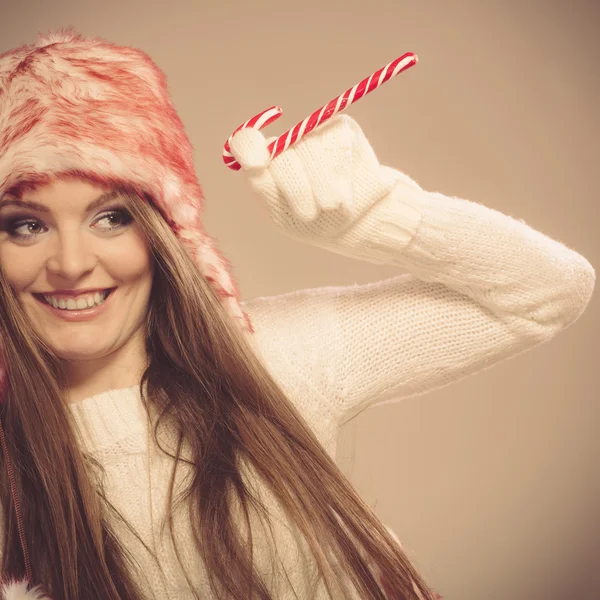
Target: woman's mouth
83	308
83	302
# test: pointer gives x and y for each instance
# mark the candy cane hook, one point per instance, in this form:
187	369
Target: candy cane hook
319	117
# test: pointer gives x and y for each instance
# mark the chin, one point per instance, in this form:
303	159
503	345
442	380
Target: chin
79	352
75	356
84	353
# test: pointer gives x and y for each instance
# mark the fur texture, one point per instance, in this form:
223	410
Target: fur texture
17	590
72	106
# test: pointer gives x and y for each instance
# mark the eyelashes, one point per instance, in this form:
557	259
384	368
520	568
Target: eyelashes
14	224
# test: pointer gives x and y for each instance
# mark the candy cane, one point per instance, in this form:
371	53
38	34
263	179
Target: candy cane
325	113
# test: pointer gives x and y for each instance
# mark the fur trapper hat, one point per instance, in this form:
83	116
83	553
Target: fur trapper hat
73	106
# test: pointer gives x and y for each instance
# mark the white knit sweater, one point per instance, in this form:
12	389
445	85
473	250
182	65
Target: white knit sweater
481	287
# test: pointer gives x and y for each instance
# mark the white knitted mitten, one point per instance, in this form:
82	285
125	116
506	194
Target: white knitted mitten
319	188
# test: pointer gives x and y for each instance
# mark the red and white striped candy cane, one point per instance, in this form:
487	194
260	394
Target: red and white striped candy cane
325	113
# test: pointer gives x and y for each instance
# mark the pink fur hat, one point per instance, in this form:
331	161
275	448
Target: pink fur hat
77	106
72	106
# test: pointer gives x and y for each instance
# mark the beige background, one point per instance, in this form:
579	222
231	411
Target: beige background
493	484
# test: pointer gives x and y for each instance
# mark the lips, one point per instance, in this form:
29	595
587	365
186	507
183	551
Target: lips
67	297
76	315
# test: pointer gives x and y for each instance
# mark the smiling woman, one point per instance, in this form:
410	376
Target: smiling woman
172	442
184	348
62	249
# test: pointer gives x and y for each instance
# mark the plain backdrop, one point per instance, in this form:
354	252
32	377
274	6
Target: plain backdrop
492	484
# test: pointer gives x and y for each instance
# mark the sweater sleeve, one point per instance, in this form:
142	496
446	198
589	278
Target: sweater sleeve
479	287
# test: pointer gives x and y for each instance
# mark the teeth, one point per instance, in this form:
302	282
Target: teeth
81	303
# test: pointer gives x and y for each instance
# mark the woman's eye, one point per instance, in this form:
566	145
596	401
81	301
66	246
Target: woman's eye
118	218
27	229
13	227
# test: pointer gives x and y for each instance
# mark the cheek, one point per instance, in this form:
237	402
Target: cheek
129	261
21	267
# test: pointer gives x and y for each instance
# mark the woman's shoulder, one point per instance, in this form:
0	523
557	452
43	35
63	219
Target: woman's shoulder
288	339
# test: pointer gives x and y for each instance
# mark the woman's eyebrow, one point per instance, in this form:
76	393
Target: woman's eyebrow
42	208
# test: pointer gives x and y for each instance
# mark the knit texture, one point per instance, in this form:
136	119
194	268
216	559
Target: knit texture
480	287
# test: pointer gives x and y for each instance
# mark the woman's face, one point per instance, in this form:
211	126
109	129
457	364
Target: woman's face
77	237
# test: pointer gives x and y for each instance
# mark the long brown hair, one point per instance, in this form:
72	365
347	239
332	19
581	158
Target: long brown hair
204	377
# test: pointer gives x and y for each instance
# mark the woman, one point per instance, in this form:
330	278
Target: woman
168	441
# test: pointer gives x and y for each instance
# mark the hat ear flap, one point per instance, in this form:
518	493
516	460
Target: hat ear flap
216	270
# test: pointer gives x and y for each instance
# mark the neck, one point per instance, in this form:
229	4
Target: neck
120	369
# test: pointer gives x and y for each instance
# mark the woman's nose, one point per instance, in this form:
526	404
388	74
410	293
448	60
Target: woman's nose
71	256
